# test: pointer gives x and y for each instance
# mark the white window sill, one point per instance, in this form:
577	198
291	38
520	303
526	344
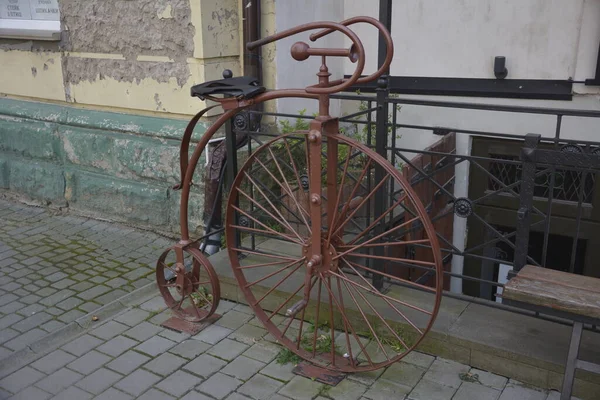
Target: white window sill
29	29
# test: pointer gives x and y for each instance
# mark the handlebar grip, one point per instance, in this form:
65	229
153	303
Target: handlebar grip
330	27
382	29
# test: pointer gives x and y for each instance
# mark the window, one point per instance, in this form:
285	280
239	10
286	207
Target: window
30	19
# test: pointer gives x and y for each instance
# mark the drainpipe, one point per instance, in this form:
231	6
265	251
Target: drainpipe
213	197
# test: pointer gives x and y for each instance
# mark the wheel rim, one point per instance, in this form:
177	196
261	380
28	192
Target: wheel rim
198	297
347	325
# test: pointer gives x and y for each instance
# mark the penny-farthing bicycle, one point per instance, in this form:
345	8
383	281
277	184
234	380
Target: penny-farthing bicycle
301	241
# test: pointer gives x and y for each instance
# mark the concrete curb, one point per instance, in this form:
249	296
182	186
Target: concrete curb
81	325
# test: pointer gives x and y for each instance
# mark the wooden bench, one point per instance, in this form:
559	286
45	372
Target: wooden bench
563	295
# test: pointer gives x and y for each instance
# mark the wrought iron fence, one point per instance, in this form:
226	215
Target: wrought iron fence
530	199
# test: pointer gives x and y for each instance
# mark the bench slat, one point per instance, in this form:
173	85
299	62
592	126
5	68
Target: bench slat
557	290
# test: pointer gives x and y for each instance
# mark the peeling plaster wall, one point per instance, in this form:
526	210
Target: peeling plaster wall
136	57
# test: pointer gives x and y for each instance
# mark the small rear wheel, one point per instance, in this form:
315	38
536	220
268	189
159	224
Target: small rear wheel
189	287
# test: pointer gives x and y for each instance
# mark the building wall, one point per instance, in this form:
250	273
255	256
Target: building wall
94	121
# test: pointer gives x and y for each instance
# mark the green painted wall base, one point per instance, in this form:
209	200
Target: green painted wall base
115	166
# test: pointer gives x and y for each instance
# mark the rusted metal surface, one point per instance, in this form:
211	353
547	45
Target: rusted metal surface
181	325
320	223
189	285
318	374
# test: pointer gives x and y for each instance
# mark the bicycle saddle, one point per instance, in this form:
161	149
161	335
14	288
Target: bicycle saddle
243	87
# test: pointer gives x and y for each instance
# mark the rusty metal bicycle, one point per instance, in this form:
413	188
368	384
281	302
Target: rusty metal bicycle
303	200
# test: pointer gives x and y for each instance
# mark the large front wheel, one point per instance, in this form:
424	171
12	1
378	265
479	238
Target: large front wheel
369	301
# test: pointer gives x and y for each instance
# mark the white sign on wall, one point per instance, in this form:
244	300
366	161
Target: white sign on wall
30	19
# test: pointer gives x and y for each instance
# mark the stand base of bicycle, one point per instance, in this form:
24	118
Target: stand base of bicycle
192	328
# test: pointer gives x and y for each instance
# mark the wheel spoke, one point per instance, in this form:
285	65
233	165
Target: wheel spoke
273	231
274	273
374	223
363	201
374	291
356	337
407	282
268	255
367	321
339	196
392	259
331	322
260	265
277	285
360	178
358	246
281	221
352	362
285	302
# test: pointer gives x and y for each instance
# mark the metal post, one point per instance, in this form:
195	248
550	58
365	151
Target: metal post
525	201
381	136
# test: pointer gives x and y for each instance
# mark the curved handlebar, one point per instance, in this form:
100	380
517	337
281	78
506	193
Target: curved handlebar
339	85
382	29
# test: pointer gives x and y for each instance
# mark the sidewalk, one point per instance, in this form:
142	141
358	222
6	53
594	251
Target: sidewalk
83	264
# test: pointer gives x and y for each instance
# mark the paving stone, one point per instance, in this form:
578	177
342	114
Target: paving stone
488	379
154	394
56	276
219	385
446	372
237	396
429	390
407	374
59	380
11	307
385	390
554	395
98	381
69	303
32	322
89	362
233	320
142	331
128	362
248	334
72	393
113	394
109	330
53	361
93	292
25	339
193	395
70	316
137	382
21	379
190	348
419	359
155	346
213	334
156	304
243	368
47	291
30	299
205	365
347	390
176	337
89	306
9	320
82	286
64	283
244	308
279	371
263	351
367	378
117	345
31	393
227	349
165	364
7	334
57	297
516	391
301	388
475	391
178	383
52	325
133	317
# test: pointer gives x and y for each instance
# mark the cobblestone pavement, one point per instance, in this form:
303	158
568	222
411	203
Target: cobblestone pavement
56	268
131	356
